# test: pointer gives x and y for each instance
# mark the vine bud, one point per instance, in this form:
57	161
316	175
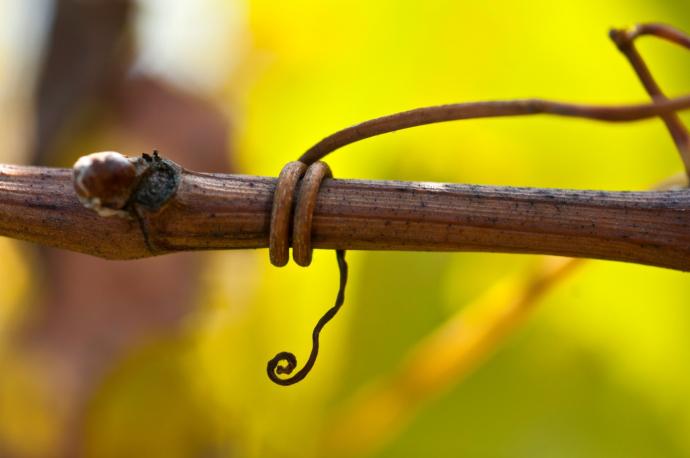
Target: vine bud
105	182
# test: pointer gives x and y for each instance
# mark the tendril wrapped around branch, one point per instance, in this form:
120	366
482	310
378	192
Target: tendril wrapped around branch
286	362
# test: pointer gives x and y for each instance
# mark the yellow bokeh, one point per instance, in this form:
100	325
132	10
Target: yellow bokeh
601	367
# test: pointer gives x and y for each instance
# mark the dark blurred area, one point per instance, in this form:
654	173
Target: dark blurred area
88	312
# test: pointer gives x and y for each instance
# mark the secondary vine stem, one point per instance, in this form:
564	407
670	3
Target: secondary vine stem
625	41
493	109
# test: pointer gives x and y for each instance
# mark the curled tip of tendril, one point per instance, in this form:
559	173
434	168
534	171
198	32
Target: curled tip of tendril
282	363
285	362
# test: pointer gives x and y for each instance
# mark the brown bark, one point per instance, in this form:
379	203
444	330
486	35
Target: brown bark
216	211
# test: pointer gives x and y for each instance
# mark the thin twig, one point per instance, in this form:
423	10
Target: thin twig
625	41
476	110
664	31
428	115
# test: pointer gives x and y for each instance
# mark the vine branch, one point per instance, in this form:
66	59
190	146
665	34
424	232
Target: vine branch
216	211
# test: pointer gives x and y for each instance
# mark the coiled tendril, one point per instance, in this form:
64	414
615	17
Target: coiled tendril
286	362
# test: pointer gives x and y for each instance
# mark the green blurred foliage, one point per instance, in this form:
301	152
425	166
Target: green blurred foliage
600	370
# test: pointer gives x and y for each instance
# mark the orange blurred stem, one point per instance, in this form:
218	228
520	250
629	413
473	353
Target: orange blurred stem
383	408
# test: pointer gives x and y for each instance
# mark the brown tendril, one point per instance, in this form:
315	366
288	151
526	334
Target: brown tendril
281	214
304	212
285	362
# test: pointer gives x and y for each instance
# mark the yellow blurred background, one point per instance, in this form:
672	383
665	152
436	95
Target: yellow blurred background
601	368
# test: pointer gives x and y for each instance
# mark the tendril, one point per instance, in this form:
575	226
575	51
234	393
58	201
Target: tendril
285	362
